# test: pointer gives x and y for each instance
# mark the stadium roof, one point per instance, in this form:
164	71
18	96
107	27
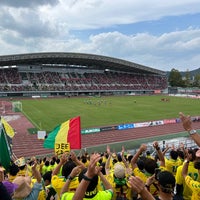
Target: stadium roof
90	61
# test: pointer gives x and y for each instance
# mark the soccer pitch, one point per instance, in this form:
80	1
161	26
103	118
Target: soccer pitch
47	113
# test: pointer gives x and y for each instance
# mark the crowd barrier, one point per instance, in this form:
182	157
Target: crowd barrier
136	125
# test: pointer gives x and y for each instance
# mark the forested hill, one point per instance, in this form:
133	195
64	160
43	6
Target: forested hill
192	73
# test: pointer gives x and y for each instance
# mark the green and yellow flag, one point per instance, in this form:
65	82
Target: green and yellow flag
5	153
8	128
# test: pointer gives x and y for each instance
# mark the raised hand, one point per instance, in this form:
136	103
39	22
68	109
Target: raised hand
186	121
93	169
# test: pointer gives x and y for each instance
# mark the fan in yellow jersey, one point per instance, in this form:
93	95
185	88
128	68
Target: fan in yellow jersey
119	181
118	174
13	170
48	191
181	187
45	167
148	155
165	181
87	188
149	166
21	163
85	161
52	165
173	162
28	188
67	162
192	184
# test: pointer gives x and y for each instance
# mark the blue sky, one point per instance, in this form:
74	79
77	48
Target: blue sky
159	35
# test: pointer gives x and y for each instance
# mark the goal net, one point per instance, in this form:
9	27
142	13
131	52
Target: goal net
17	106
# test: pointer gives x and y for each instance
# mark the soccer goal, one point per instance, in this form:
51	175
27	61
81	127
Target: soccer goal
16	106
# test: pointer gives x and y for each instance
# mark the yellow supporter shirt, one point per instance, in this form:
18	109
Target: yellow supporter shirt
44	169
194	186
87	163
193	173
101	195
104	159
181	160
58	182
172	165
117	190
150	157
11	178
144	176
47	193
22	172
139	173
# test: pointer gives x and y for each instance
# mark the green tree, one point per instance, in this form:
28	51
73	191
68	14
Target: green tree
196	82
175	78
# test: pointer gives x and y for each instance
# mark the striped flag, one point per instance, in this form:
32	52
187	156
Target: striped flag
65	136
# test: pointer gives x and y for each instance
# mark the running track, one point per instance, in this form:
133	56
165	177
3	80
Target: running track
27	145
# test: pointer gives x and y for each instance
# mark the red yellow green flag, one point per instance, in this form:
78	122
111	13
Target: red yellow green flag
65	136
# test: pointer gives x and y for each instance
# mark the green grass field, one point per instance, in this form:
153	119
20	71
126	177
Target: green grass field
47	113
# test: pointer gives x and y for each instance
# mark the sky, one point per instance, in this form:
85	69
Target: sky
158	34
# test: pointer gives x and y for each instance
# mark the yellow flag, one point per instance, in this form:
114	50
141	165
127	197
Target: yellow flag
8	129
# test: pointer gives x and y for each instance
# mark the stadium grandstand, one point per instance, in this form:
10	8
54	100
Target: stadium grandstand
69	74
74	74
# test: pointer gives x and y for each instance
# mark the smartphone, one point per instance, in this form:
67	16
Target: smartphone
157	171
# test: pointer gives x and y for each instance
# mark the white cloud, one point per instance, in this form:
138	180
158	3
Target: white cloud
43	26
84	14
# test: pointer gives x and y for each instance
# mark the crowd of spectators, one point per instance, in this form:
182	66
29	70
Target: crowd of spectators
108	175
13	80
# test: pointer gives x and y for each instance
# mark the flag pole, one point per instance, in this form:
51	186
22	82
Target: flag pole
14	157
